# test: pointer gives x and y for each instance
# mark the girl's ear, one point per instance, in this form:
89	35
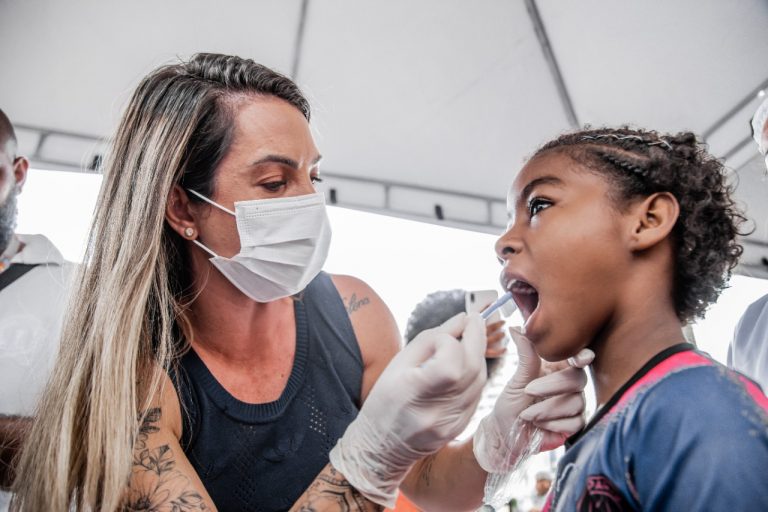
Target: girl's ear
653	220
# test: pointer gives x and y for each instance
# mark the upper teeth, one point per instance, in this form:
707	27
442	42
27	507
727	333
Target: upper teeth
522	287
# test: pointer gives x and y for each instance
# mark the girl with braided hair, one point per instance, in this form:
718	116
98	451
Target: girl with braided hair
616	238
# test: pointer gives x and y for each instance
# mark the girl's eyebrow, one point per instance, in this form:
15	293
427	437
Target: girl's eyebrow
541	180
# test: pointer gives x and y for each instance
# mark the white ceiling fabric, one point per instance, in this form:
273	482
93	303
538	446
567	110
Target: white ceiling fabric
415	103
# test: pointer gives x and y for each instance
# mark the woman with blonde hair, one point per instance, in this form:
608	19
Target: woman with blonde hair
207	361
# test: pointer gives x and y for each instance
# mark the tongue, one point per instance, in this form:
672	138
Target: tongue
526	298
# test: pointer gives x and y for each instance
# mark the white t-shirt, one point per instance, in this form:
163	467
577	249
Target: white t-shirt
31	312
533	502
748	352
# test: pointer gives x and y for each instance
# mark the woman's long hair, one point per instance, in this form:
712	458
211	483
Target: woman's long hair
125	317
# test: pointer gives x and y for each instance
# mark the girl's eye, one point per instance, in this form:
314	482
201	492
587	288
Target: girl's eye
316	179
274	186
536	205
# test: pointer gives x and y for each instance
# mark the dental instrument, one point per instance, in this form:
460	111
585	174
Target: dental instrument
487	312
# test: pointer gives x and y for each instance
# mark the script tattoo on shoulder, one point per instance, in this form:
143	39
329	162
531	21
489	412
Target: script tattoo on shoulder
156	484
426	473
332	492
353	304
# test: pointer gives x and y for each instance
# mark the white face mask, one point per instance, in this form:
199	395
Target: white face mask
283	245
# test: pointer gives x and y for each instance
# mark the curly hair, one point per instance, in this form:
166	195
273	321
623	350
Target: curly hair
638	163
436	308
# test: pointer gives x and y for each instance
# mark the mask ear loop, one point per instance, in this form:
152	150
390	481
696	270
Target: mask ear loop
201	196
209	201
200	245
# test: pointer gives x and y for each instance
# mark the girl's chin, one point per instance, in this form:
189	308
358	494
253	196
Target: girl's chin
551	346
551	350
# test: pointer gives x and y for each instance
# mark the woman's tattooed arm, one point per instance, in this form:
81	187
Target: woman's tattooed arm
331	492
161	478
158	484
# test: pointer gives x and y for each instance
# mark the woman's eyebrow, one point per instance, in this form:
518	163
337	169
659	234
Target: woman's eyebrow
280	159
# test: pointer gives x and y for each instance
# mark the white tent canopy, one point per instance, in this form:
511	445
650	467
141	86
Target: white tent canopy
423	109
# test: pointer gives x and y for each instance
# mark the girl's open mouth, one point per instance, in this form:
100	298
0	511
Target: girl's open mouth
526	297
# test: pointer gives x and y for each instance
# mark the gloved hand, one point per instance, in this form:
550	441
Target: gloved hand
554	403
423	399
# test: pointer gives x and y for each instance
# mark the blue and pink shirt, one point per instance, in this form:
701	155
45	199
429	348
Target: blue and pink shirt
684	433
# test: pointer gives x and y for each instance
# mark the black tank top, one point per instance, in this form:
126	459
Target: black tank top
262	457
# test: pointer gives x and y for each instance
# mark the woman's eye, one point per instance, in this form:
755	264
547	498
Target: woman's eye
536	205
316	179
274	186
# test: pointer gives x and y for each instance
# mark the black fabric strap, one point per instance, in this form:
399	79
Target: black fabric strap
647	367
14	272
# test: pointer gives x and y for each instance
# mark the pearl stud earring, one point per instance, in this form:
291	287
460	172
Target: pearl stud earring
189	232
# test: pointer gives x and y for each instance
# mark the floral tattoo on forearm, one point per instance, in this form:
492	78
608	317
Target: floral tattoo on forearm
156	484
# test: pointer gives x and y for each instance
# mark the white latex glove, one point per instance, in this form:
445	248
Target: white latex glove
423	399
554	403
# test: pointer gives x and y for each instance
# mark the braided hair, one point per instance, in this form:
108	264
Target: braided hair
638	163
